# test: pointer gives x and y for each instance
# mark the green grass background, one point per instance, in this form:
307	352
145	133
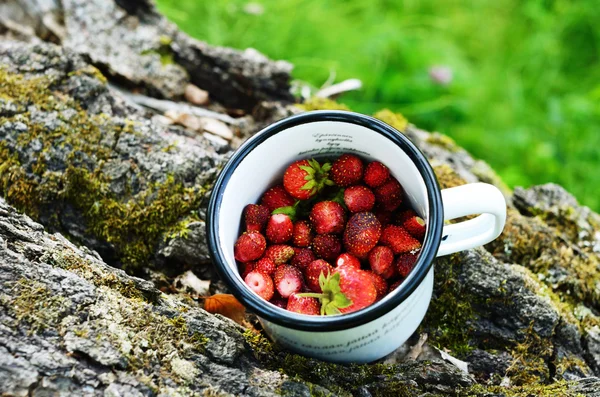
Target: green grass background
526	89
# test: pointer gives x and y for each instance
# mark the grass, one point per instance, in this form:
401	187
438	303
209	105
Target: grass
525	93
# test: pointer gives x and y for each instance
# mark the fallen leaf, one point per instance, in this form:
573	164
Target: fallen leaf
462	365
225	305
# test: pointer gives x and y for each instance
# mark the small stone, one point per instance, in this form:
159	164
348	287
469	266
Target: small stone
195	95
188	282
217	127
190	121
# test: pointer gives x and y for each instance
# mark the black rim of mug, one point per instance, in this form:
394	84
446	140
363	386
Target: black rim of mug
288	319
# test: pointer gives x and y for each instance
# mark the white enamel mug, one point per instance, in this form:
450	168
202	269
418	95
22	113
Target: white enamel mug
373	332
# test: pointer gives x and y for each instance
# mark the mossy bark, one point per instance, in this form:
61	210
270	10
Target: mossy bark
523	312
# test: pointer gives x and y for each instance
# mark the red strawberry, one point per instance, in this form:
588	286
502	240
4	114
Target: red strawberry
303	258
404	216
384	217
279	228
265	265
389	195
313	273
260	283
395	285
256	217
279	302
405	263
381	259
376	174
359	198
305	178
346	290
361	234
380	284
288	279
249	246
327	246
347	259
302	235
358	287
303	305
398	239
327	217
276	197
415	226
280	253
247	268
347	170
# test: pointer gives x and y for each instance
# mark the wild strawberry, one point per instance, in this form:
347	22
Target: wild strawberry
256	217
346	290
303	305
389	195
359	198
279	228
384	217
265	265
403	216
249	246
303	258
305	178
381	259
327	217
326	246
313	273
302	236
405	263
260	283
347	259
347	170
288	279
415	226
380	284
398	239
358	287
395	285
279	302
279	253
276	197
376	174
247	268
361	234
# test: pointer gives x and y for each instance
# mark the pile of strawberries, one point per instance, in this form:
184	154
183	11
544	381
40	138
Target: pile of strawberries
333	238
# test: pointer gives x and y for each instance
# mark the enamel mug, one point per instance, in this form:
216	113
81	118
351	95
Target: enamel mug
373	332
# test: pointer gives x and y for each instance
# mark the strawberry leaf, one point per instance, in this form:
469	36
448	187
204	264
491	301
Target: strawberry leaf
308	185
332	299
289	211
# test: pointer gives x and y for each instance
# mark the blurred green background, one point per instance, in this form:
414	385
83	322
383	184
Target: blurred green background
525	87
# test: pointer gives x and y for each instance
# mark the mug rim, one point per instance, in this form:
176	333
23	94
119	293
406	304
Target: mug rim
350	320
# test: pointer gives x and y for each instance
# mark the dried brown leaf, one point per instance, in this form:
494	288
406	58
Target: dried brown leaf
225	305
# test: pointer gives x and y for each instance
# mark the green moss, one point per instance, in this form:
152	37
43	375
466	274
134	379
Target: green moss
36	305
132	223
450	312
447	177
396	120
335	377
315	103
443	141
570	363
538	390
91	71
529	365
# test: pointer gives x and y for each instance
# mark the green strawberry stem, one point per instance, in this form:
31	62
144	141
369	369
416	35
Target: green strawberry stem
317	176
332	299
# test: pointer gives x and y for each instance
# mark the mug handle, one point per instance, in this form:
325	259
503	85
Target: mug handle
470	199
